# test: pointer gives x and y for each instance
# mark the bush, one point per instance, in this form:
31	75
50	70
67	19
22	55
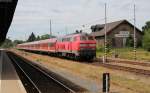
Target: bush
130	41
100	48
146	40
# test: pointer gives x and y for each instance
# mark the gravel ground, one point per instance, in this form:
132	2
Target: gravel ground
90	85
90	77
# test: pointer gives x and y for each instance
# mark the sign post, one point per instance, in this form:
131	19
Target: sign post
106	82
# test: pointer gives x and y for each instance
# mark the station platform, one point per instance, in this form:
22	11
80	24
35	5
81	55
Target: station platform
9	80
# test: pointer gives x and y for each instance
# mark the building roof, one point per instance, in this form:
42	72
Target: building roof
99	29
7	9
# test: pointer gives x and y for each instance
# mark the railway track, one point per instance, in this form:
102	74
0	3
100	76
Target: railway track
145	64
36	80
123	68
137	71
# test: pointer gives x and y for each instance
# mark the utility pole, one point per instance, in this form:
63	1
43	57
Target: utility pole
66	30
50	29
135	42
105	42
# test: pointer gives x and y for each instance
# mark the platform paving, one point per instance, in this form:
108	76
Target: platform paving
9	80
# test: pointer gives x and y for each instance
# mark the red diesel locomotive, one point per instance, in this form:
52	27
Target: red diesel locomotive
78	45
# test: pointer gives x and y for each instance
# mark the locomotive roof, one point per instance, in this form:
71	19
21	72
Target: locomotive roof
76	34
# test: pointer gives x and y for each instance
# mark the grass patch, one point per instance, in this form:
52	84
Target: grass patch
131	84
38	60
127	53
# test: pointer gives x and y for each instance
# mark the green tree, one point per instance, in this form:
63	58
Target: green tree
146	27
146	38
31	38
46	36
7	43
16	42
130	41
38	38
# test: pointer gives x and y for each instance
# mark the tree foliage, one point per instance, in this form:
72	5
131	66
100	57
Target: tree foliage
146	38
7	43
38	38
31	38
46	36
146	27
130	41
16	42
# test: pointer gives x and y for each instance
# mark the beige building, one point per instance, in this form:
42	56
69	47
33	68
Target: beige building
117	33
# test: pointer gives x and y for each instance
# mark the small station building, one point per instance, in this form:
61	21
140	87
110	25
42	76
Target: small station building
117	33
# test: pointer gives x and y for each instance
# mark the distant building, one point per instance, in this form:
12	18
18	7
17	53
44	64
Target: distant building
117	33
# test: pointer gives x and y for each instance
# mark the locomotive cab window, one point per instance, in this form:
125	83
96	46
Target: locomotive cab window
86	38
90	38
83	38
75	39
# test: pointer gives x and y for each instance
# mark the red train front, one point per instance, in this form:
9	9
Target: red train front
77	45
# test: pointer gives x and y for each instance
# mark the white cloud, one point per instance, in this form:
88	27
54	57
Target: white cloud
34	15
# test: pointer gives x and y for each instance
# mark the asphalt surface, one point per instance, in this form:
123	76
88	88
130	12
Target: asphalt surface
9	80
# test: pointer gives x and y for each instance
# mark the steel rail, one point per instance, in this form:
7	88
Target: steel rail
55	80
25	74
126	62
124	68
72	91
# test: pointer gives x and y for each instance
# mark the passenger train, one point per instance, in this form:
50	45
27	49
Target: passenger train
77	45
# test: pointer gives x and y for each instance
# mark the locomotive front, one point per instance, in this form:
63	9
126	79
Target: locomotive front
87	46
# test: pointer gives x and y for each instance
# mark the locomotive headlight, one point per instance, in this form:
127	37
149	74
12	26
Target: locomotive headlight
92	45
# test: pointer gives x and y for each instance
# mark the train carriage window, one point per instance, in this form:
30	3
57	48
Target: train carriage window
51	44
60	39
69	39
63	40
66	39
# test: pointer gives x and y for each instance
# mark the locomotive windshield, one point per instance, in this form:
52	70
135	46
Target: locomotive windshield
86	38
83	38
90	38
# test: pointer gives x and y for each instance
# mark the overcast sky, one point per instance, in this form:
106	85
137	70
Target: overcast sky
69	15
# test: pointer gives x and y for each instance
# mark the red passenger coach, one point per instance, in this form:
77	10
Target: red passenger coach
48	45
78	45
